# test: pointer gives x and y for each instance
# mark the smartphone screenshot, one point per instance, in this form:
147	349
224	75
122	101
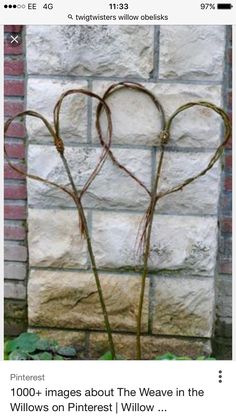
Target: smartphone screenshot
116	203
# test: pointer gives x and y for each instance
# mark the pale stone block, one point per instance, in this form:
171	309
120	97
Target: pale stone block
90	50
183	306
192	52
152	346
136	120
70	300
201	196
111	188
54	239
178	243
42	96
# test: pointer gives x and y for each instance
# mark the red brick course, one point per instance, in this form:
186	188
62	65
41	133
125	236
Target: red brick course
10	173
15	193
14	88
14	212
226	225
15	150
14	232
14	67
11	108
10	50
16	130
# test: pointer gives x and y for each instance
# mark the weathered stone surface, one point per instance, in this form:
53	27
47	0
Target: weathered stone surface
16	290
70	300
136	120
183	306
192	52
63	337
42	96
54	239
16	270
223	348
111	188
152	346
200	197
224	298
15	317
15	252
90	50
178	242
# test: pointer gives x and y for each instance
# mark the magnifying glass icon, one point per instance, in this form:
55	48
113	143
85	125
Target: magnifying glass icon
70	17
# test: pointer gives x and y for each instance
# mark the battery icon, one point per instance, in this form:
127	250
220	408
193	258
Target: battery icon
224	6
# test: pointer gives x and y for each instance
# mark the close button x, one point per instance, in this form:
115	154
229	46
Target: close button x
14	39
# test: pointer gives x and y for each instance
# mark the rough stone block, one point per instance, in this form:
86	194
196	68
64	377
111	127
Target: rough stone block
201	196
54	239
70	300
183	306
136	120
90	50
111	188
42	95
192	52
151	346
178	243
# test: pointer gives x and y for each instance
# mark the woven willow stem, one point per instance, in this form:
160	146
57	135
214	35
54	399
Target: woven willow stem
92	257
146	256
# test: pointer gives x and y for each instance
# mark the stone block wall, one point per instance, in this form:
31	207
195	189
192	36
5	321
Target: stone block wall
179	307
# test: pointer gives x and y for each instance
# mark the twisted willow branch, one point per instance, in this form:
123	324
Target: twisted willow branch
146	236
58	142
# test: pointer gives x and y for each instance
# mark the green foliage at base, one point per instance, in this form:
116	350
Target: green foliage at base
108	357
29	346
171	357
166	357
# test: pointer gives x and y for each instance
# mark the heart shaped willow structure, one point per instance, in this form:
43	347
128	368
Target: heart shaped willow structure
154	195
54	131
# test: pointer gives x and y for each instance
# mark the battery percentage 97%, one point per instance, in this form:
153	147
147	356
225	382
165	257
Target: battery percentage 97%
207	6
